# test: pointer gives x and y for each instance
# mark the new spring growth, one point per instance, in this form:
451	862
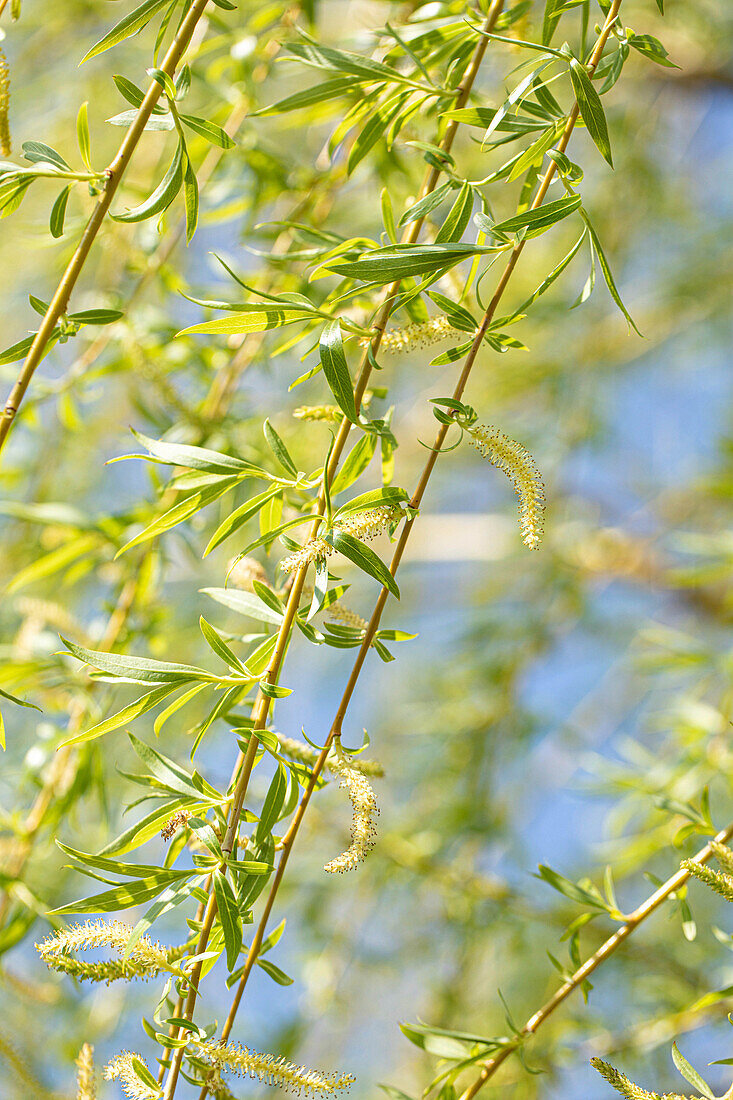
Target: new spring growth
304	754
517	463
720	881
133	1074
271	1070
423	335
362	525
86	1088
628	1089
5	142
146	959
364	806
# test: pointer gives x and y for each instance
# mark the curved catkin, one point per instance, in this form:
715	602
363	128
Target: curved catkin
362	525
519	466
304	754
145	960
414	336
271	1070
719	881
122	1068
86	1088
365	809
5	142
627	1088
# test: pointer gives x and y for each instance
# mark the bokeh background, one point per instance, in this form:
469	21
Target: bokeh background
550	703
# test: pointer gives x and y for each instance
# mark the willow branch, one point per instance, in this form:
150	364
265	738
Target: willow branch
113	174
415	501
604	952
261	707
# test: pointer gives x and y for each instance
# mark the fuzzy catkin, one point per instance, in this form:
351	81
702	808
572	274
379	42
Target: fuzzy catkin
5	142
86	1088
719	881
146	958
627	1088
362	525
365	809
271	1070
122	1069
414	336
304	754
517	463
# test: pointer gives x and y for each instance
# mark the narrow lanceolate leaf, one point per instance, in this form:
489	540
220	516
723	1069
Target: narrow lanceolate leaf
209	130
394	262
272	805
124	896
136	669
239	517
180	512
591	109
279	449
126	27
170	773
335	369
162	196
198	458
458	217
366	560
82	134
329	89
231	926
191	200
127	714
690	1073
255	321
245	603
607	273
534	221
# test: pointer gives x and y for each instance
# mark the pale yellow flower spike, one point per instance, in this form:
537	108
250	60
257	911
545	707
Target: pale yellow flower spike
145	960
85	1086
420	335
271	1070
519	466
304	754
720	881
365	808
628	1089
5	142
362	525
123	1068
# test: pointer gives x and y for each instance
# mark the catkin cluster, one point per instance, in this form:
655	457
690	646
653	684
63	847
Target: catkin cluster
122	1068
414	336
519	466
271	1070
5	142
364	805
627	1088
174	823
362	525
146	958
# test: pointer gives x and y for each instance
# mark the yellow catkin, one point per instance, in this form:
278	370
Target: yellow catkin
362	525
5	142
174	823
304	754
146	959
414	336
365	809
519	466
271	1070
86	1088
331	414
719	881
627	1088
122	1068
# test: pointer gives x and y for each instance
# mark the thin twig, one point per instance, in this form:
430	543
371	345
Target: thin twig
114	173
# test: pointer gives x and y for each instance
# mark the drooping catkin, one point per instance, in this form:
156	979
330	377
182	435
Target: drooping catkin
86	1088
627	1088
304	754
6	146
362	525
146	959
411	337
271	1070
242	573
364	806
517	463
126	1068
